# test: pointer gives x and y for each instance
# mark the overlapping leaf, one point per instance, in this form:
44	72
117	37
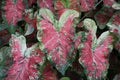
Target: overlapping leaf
46	4
25	60
48	73
62	5
108	2
87	5
56	37
94	52
102	17
114	25
13	11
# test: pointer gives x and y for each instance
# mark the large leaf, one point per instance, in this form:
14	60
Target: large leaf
94	52
25	60
13	11
56	37
102	17
87	5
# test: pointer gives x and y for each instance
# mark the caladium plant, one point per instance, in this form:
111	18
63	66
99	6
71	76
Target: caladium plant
56	37
50	41
96	64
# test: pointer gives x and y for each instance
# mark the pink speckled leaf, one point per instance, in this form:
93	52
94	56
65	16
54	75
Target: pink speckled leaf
102	17
108	2
87	5
57	36
62	5
46	4
25	60
94	52
13	11
48	73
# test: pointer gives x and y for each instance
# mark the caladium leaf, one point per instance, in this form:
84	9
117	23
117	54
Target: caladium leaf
25	60
62	5
102	16
109	2
57	36
46	4
94	52
13	11
114	26
87	5
48	73
114	23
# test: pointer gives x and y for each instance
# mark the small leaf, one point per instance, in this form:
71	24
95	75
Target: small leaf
114	23
87	5
102	17
30	29
116	6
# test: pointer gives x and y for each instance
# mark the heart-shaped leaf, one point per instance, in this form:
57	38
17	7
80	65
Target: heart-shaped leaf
94	52
25	60
56	37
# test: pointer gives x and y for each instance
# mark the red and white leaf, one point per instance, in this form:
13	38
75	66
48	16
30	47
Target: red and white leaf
57	36
13	11
109	2
102	17
48	73
94	52
87	5
46	4
60	6
25	60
